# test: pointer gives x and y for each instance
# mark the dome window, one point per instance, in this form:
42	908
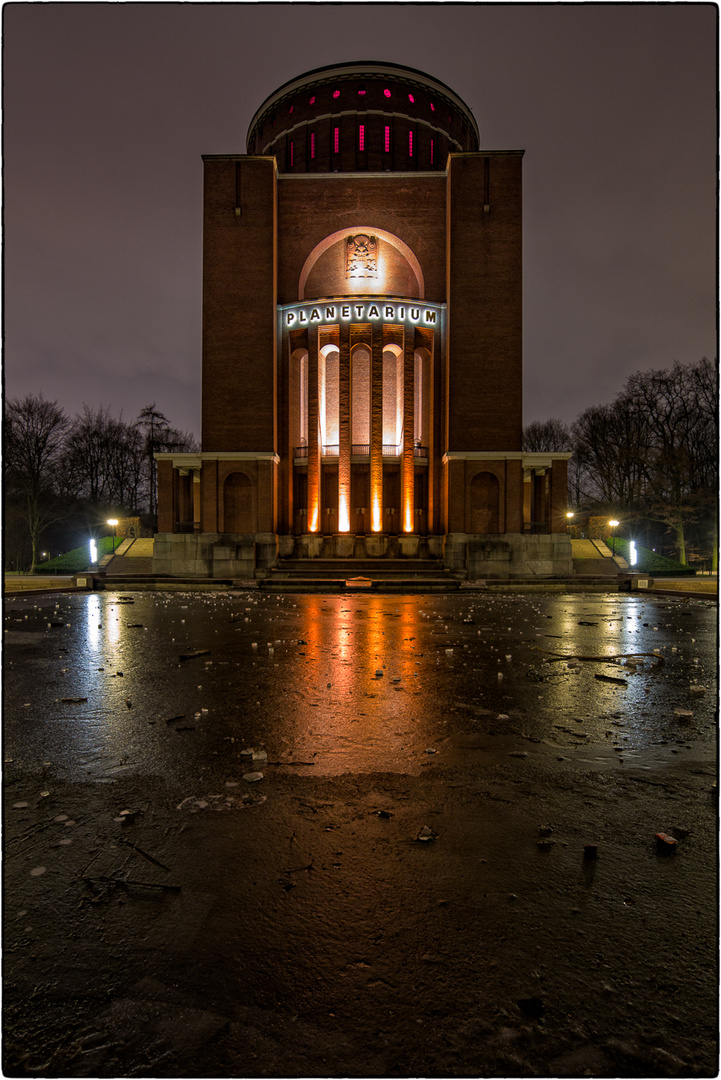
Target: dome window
312	100
411	98
336	93
387	92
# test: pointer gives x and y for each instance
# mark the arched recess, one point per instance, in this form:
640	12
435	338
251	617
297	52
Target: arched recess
389	237
392	395
421	397
361	396
298	396
328	395
238	514
484	503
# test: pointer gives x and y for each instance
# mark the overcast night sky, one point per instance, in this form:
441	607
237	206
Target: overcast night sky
108	108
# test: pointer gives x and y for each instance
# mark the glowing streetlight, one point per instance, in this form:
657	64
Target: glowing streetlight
113	522
614	525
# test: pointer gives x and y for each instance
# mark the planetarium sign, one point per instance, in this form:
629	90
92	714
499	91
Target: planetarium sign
295	316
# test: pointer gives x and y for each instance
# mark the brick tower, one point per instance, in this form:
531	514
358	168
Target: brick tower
362	353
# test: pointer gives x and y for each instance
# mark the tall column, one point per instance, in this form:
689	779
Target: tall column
313	433
344	432
376	454
408	467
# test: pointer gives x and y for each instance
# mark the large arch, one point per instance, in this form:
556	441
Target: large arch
333	238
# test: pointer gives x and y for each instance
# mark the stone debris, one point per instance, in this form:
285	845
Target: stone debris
426	834
665	844
251	777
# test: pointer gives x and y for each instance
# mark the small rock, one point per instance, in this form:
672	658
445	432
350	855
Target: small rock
252	776
665	844
545	830
532	1007
426	834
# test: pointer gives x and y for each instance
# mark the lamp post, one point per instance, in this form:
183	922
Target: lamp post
569	515
614	524
113	522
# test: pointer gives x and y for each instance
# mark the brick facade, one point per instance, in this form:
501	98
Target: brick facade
363	217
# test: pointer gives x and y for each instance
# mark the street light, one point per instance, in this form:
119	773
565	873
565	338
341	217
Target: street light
614	525
113	522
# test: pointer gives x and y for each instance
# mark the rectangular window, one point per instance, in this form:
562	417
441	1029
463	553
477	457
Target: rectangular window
432	154
291	154
336	140
312	144
410	144
361	137
387	141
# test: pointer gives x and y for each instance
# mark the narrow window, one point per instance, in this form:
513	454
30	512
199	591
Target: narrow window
361	137
336	140
387	141
291	154
312	101
290	110
410	144
387	93
432	154
433	108
312	144
411	98
336	93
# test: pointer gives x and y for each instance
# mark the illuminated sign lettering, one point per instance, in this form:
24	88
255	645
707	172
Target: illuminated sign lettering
419	314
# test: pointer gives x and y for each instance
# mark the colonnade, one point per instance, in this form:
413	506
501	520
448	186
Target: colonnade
376	338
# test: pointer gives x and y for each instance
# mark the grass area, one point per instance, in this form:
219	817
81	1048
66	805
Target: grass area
649	562
79	558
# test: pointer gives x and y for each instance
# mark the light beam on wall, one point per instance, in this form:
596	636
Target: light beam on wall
343	511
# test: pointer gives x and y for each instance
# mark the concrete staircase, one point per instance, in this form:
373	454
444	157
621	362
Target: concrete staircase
595	558
132	557
360	575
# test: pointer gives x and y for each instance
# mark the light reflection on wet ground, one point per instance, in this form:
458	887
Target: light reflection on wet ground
348	683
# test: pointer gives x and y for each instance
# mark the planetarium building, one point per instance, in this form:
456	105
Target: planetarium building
362	345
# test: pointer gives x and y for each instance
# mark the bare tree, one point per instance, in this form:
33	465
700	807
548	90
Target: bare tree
546	435
158	436
33	446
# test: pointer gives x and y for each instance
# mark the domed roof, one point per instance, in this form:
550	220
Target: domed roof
358	92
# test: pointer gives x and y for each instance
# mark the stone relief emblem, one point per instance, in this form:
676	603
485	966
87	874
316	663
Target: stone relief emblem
361	256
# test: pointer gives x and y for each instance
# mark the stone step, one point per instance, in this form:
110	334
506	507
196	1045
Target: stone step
124	564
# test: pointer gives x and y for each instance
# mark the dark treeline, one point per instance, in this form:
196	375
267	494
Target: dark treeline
649	458
63	476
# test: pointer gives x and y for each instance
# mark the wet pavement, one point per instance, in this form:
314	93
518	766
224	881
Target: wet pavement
295	924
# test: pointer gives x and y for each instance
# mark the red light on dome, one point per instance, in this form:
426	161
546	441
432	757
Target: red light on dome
361	92
312	101
290	110
433	108
336	93
387	92
411	98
